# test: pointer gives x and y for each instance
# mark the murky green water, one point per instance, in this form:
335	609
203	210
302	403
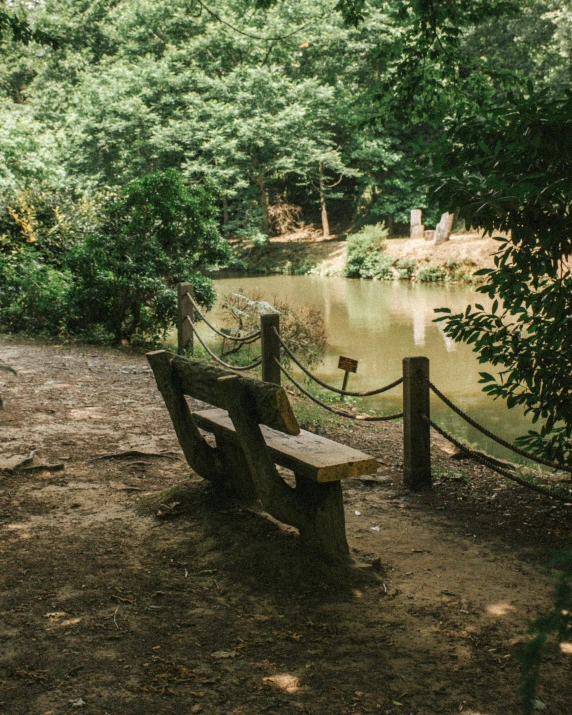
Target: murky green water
380	323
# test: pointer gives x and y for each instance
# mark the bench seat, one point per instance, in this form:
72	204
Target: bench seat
307	455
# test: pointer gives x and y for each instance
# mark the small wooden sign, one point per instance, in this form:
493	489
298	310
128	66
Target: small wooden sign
347	364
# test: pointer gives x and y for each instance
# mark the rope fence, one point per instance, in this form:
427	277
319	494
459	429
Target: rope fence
494	437
335	410
552	491
236	338
256	363
417	423
316	379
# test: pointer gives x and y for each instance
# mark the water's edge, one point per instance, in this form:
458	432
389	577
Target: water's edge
380	323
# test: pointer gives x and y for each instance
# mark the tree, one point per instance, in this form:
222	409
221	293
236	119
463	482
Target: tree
158	232
510	170
144	86
20	31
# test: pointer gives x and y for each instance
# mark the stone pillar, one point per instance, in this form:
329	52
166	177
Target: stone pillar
444	228
417	228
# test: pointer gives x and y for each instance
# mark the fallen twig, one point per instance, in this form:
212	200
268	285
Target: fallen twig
133	453
28	460
19	465
43	467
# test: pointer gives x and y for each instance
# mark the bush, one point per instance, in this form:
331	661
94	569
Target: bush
34	294
48	220
302	329
363	249
377	266
431	274
405	269
158	232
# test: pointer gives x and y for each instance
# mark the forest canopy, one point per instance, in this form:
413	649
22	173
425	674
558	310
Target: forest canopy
286	103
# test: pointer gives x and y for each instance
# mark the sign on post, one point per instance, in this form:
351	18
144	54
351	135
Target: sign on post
347	365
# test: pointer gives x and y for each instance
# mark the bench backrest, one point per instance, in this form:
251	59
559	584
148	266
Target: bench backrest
268	404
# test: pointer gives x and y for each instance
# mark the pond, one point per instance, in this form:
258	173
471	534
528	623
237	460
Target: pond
380	323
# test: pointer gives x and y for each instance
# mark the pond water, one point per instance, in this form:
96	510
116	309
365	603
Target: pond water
380	323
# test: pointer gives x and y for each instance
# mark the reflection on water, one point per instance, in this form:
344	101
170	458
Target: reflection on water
380	323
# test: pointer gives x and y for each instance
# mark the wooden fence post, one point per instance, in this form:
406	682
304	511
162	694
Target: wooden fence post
416	429
270	347
184	308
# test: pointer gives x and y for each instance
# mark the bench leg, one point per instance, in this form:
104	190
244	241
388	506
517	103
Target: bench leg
238	479
323	526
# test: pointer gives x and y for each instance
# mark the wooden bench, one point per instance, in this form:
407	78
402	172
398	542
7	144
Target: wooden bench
255	429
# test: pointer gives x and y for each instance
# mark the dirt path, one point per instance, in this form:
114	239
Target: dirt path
215	610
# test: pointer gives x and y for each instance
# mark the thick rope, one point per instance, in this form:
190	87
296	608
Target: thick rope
215	357
556	492
236	339
331	387
342	413
498	440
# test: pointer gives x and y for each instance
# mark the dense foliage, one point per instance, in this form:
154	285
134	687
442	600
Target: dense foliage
290	105
156	234
309	115
111	269
510	171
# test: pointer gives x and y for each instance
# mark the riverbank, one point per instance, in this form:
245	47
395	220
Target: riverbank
214	609
306	251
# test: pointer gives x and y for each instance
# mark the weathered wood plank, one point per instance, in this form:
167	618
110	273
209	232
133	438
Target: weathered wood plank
416	431
268	403
200	456
277	497
309	455
324	526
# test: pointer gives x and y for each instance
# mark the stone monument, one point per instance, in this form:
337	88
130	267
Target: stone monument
417	228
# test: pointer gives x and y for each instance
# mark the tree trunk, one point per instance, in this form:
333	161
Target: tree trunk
224	214
325	222
263	203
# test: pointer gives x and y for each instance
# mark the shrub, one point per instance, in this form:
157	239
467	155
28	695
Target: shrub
431	274
48	220
158	232
34	294
378	267
302	329
405	269
362	249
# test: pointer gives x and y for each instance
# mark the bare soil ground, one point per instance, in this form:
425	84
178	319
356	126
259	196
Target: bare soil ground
306	249
213	609
470	247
